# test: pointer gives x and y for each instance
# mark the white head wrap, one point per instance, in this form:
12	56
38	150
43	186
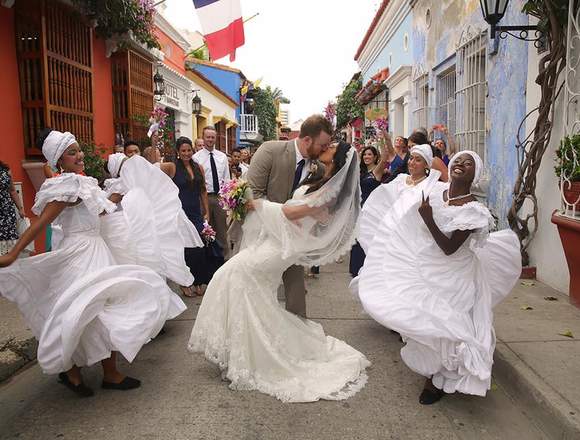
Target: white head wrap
425	152
476	159
55	145
114	163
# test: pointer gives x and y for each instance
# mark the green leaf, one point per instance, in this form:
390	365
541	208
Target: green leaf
567	333
526	307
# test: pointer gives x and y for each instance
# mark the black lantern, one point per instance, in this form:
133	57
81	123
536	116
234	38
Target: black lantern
494	10
196	104
159	86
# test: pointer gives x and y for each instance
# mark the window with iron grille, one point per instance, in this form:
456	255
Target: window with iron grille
55	66
446	99
471	92
421	95
132	76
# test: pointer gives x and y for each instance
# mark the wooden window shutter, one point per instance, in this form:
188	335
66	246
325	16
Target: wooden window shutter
55	60
132	95
231	139
220	128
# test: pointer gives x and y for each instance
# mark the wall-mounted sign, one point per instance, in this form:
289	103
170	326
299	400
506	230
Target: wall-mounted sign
171	96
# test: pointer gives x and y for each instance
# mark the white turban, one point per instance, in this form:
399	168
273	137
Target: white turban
55	145
425	152
476	159
114	163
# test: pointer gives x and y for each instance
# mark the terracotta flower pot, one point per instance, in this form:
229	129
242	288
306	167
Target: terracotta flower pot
571	192
569	230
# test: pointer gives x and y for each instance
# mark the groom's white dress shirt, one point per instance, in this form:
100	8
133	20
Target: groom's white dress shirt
299	157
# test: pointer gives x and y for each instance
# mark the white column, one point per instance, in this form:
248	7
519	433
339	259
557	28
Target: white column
407	115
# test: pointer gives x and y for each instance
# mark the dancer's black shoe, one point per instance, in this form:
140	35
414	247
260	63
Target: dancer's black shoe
80	390
429	397
128	383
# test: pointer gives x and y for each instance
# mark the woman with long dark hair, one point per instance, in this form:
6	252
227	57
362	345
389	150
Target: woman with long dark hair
242	327
190	179
8	216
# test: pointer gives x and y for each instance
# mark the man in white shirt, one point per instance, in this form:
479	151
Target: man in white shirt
216	167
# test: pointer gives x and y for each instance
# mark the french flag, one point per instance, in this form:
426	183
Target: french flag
223	26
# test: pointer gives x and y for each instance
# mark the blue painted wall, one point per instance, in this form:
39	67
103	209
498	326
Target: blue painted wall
395	46
506	74
228	82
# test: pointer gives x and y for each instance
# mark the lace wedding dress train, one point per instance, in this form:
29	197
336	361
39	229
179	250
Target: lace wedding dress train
257	344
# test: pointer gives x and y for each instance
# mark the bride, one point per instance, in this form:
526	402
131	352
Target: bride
240	325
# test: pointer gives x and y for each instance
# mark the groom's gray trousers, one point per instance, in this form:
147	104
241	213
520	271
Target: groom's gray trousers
295	290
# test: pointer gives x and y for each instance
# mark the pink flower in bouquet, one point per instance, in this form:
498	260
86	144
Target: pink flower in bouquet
233	198
208	234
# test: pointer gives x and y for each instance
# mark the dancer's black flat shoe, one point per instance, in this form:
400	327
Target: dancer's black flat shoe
80	390
128	383
429	397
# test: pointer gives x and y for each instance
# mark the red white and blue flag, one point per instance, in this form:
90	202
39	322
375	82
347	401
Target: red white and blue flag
222	25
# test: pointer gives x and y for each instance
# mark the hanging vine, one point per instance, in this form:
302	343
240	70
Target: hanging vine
553	21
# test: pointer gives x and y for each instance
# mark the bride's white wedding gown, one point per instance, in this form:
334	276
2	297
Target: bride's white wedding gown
260	346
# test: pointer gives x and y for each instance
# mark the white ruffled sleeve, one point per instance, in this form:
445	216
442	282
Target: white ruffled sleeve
70	188
473	216
115	186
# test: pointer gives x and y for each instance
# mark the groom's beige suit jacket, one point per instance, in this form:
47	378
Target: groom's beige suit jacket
271	176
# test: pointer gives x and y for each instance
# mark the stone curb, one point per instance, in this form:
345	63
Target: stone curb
543	404
16	354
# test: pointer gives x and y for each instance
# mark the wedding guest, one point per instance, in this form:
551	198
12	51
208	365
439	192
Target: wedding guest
131	148
198	145
419	138
216	169
190	178
236	169
246	156
10	209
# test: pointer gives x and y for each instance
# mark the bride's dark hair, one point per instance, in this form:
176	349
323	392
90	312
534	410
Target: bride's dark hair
315	182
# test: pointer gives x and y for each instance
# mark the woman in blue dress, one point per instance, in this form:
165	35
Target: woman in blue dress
190	179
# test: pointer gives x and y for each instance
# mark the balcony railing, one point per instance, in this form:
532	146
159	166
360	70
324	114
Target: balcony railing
249	123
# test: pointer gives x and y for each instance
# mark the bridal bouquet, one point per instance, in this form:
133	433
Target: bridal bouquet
208	234
233	197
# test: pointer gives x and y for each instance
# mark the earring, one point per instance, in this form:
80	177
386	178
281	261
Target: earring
427	171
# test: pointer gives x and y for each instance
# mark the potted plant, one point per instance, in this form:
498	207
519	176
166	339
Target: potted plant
568	220
568	169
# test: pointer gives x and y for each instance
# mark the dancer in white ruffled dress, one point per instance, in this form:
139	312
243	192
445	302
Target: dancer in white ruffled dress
433	273
150	227
241	326
81	306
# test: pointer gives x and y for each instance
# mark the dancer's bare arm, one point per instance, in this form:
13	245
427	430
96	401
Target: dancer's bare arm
50	212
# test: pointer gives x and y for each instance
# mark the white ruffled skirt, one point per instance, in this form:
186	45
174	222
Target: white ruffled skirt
81	306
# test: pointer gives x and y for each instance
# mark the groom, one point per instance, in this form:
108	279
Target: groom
276	170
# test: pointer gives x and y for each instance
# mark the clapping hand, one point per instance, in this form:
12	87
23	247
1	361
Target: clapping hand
425	209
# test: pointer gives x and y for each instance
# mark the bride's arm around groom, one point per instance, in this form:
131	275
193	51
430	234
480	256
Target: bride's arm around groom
271	176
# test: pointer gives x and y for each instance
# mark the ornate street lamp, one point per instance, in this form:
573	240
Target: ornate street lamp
196	104
494	10
159	82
